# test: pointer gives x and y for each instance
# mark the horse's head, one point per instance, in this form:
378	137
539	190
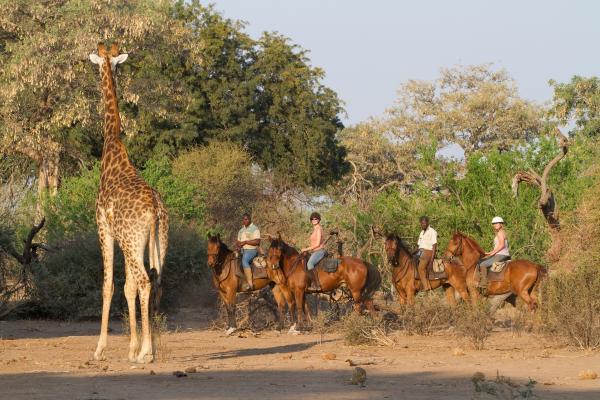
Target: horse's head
214	250
455	246
276	253
392	248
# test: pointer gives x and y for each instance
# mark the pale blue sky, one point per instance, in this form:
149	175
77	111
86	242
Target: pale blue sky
369	48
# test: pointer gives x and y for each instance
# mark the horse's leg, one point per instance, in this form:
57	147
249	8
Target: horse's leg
449	291
299	297
229	299
356	296
280	300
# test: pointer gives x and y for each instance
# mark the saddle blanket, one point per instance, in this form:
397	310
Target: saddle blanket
329	264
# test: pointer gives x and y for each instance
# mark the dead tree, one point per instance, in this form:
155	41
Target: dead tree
546	202
29	254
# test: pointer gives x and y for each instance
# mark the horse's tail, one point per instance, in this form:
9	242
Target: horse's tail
542	273
373	282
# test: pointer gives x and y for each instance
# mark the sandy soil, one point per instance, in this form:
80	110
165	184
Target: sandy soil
51	360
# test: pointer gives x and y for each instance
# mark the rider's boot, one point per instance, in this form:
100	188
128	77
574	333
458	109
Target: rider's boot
483	281
314	281
248	286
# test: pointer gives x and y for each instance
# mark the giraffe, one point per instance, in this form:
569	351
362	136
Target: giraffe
130	211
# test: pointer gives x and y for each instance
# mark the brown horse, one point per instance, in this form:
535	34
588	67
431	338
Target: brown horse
223	263
521	277
403	275
284	263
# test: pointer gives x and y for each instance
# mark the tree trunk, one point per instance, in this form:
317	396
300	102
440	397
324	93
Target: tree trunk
546	202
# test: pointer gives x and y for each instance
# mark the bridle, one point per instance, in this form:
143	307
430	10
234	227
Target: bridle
454	254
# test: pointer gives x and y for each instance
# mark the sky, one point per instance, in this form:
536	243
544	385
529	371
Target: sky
368	49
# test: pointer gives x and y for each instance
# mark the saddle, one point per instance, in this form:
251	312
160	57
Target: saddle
259	264
495	272
329	264
434	272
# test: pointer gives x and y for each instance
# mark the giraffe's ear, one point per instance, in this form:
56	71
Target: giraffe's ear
120	59
96	59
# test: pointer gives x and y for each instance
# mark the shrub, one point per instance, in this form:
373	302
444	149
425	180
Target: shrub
427	315
570	306
68	283
359	329
475	322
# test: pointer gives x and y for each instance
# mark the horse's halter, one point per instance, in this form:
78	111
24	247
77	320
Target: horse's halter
457	252
395	259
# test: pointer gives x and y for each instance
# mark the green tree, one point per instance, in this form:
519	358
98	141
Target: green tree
578	100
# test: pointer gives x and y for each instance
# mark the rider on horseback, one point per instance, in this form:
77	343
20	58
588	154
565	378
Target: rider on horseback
427	247
498	254
248	240
317	247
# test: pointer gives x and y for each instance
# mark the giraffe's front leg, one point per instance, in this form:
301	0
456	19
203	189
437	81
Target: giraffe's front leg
107	247
130	295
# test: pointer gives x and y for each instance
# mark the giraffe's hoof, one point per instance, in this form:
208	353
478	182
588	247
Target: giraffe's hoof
145	359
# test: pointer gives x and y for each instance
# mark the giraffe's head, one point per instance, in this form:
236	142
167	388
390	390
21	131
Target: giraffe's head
111	56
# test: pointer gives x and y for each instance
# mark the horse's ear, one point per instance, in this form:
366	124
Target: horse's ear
269	237
278	235
219	237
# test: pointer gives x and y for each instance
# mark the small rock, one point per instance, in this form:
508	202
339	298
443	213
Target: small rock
152	372
105	368
359	377
457	351
179	374
588	374
287	357
191	370
328	356
548	383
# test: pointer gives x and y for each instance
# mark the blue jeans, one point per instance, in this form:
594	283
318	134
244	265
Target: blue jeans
315	258
488	262
247	257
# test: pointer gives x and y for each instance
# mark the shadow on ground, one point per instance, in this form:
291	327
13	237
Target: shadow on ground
262	384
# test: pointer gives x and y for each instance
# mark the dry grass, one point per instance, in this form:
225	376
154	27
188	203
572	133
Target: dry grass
475	322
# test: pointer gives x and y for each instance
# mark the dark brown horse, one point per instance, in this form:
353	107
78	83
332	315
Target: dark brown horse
223	264
284	263
403	274
521	277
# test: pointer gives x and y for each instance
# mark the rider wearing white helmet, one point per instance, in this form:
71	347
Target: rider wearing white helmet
499	253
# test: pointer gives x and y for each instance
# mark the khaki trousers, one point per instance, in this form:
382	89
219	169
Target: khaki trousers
424	261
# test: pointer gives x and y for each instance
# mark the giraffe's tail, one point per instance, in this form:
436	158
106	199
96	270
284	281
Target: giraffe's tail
157	249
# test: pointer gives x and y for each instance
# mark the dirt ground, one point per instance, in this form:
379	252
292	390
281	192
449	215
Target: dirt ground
51	360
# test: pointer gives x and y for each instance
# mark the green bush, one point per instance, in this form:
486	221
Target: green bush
68	283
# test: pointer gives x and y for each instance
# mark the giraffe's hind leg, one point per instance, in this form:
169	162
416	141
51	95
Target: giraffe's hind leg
130	295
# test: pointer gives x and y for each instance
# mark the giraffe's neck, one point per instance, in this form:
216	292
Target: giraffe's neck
114	153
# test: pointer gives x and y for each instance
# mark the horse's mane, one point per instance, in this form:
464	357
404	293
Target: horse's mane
223	249
284	247
469	240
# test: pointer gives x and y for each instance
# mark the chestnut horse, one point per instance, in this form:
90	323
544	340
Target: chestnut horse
284	263
403	274
223	263
521	277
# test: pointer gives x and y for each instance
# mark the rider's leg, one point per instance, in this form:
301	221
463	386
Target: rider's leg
247	257
423	263
483	269
310	265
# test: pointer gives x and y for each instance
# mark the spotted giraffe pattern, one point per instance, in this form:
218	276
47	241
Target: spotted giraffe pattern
130	211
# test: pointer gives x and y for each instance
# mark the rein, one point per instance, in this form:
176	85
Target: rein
405	267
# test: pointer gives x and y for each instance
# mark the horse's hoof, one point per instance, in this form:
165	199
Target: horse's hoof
293	330
99	356
230	331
